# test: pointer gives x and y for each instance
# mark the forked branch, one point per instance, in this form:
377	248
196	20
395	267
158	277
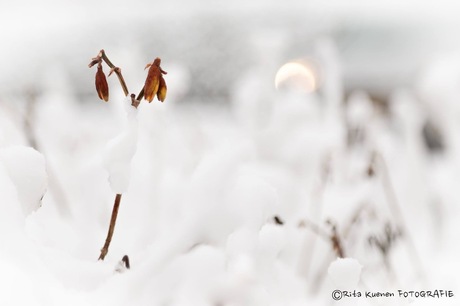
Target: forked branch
103	57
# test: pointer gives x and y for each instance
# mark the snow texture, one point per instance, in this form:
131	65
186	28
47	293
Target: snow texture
232	189
120	151
26	169
345	273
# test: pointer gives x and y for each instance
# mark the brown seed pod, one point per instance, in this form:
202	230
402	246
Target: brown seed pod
152	83
102	87
157	62
161	95
155	84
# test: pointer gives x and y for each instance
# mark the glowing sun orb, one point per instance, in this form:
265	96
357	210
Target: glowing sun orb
297	76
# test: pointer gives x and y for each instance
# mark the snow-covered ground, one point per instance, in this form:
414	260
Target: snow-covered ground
234	192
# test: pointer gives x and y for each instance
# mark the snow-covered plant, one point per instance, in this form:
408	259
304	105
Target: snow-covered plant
25	168
384	242
121	149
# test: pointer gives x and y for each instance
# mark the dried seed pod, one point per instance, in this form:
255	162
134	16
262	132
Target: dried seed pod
102	87
161	94
152	83
155	84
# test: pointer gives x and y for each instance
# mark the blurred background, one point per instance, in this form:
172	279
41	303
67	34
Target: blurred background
382	46
339	118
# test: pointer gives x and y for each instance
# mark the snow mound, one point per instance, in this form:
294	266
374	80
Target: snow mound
120	151
345	272
26	169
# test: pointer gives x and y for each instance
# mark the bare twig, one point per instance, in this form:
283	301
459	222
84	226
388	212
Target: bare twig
103	57
317	198
113	220
333	238
335	241
29	118
123	265
278	220
385	242
125	260
134	102
140	95
354	220
314	228
396	210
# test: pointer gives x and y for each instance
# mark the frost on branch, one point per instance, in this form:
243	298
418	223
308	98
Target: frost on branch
120	151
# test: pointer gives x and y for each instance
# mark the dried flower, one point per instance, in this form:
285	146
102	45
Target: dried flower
155	84
161	94
102	87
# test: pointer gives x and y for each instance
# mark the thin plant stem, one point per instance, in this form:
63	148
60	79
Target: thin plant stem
332	238
113	220
317	198
103	57
140	95
397	212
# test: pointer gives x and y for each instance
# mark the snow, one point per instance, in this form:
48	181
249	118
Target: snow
204	174
26	169
345	273
12	216
120	151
